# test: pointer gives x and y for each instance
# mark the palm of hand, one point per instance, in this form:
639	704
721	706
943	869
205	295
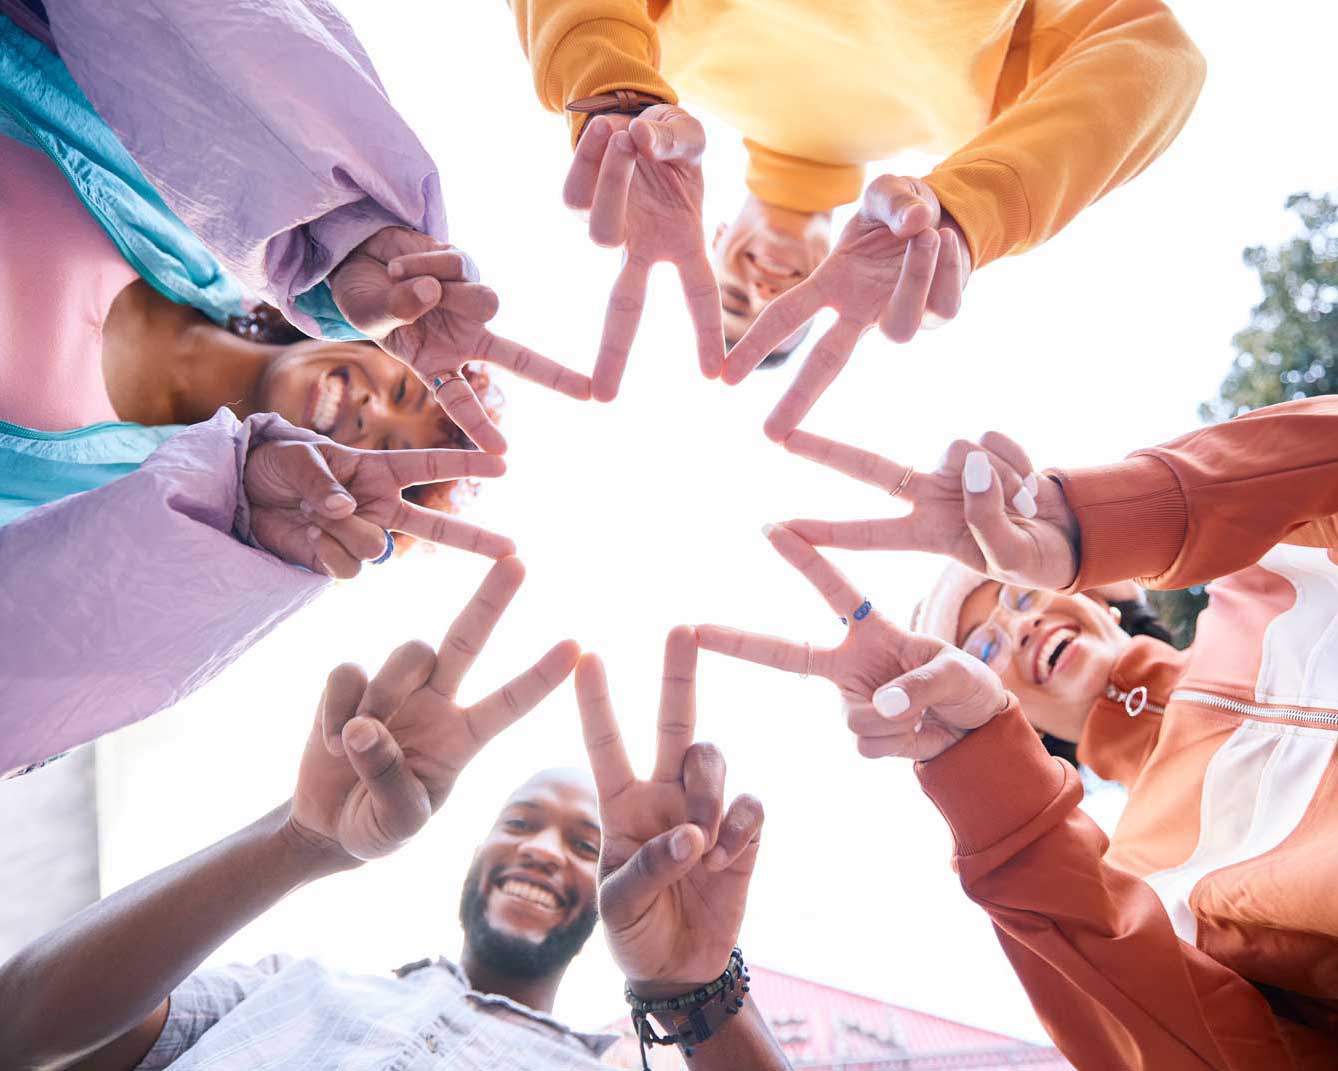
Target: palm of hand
858	277
332	803
688	922
664	211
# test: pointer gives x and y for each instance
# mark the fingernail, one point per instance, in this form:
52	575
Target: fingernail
680	845
920	724
305	507
977	472
313	533
1032	484
767	529
1024	503
339	498
361	736
424	290
890	701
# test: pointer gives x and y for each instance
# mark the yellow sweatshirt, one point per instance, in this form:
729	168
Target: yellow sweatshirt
1041	105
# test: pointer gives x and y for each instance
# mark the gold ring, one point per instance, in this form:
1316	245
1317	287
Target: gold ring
904	481
442	378
808	662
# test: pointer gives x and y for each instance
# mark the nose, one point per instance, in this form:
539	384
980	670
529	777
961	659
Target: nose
765	291
544	849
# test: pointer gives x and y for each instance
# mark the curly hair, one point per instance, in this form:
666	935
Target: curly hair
1137	619
266	325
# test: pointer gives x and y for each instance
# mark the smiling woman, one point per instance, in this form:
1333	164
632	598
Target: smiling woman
166	363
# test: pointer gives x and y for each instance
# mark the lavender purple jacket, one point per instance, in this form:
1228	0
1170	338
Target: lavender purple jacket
266	129
264	126
118	602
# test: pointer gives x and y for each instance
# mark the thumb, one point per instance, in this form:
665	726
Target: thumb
961	692
365	293
679	138
399	801
904	205
629	891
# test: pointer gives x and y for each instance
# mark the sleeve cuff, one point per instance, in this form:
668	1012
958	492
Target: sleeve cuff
992	784
1132	520
598	57
988	201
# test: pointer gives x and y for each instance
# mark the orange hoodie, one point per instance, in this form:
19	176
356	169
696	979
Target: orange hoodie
1044	105
1205	934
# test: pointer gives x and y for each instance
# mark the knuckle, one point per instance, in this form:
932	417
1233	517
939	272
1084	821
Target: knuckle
462	645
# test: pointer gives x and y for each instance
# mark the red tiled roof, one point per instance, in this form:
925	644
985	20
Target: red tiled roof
823	1028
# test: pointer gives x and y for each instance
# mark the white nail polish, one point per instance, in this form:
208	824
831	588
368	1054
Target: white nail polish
976	473
919	725
890	701
767	529
1024	503
1032	484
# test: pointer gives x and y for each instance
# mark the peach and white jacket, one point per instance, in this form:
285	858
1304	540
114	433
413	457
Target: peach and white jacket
1204	934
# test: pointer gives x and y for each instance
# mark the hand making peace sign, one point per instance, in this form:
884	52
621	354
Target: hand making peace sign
673	870
383	755
897	264
420	300
961	510
328	507
640	180
904	694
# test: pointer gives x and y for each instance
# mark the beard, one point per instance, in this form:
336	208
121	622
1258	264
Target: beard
518	957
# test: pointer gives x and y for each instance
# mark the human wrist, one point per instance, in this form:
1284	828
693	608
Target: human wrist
304	853
689	1018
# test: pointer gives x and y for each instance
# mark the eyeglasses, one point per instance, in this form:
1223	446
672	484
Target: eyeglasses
990	641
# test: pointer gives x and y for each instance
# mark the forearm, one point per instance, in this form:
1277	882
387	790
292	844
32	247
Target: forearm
1210	502
1097	93
144	573
103	972
581	48
1092	944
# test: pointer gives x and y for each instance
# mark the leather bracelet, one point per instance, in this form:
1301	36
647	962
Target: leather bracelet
615	102
692	1018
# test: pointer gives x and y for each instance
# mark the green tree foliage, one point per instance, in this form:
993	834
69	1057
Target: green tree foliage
1288	351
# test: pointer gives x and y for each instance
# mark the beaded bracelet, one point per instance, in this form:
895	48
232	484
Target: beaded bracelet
694	1017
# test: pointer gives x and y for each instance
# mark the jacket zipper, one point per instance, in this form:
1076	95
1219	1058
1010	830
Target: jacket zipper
1237	707
1135	701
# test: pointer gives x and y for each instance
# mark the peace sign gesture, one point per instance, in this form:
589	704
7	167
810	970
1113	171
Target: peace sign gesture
383	755
904	694
640	180
673	870
328	507
420	300
983	506
899	263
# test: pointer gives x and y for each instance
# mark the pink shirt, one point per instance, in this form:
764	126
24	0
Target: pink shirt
59	274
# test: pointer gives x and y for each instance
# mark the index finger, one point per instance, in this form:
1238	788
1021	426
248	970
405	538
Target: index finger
863	465
780	319
410	467
841	595
603	742
820	367
677	720
535	367
471	629
626	301
801	658
447	531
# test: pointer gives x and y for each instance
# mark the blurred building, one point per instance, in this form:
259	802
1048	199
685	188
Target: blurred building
828	1029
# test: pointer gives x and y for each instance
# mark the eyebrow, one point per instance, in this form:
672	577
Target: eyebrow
539	807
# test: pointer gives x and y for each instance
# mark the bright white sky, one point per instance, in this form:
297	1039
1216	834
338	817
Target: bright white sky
635	516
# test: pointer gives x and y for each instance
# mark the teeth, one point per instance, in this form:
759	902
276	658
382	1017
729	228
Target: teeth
1058	637
327	404
536	894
